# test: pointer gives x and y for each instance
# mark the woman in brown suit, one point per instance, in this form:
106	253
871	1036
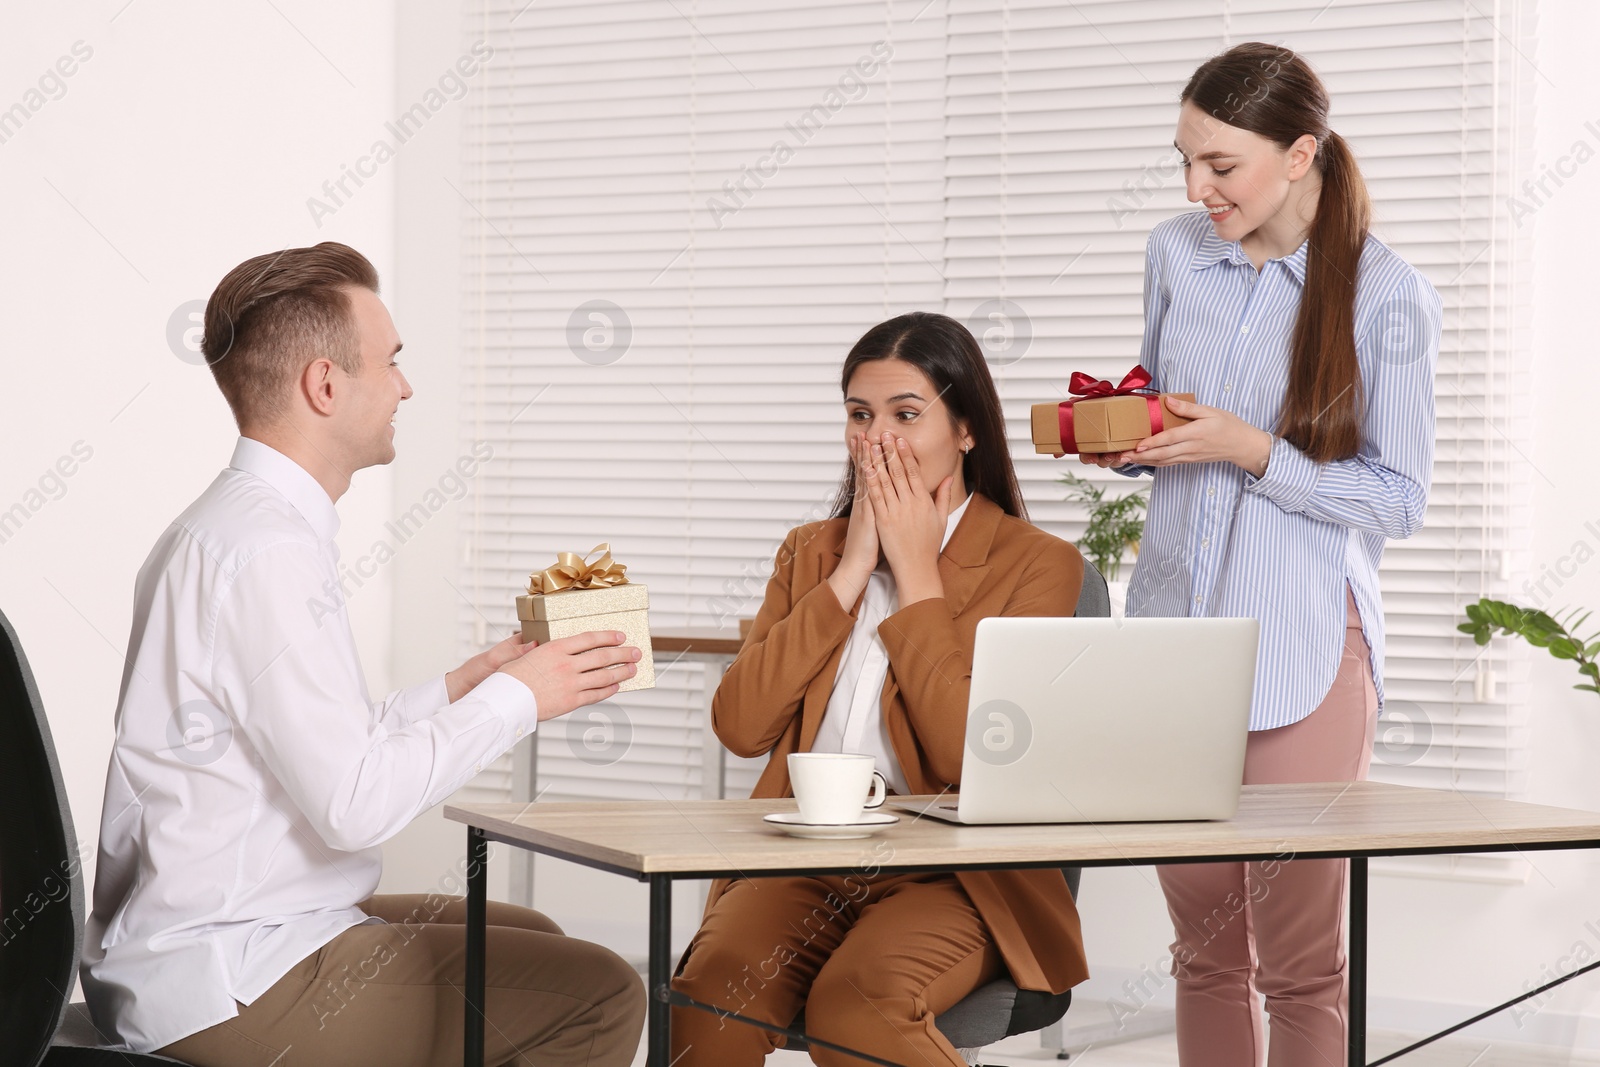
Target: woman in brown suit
864	644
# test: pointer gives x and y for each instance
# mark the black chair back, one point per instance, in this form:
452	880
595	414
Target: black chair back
41	888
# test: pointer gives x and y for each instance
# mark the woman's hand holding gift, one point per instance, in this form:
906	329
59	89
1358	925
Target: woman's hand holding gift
1214	436
910	520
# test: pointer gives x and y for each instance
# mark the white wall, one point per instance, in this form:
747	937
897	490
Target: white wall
187	141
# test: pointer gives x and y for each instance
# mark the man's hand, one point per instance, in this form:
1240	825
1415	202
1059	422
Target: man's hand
465	678
575	671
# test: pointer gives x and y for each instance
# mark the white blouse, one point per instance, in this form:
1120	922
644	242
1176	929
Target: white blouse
853	721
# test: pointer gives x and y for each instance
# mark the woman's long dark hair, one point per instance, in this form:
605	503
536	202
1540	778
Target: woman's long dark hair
1272	92
948	354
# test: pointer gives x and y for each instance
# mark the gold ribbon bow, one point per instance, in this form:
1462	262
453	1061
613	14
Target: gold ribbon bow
573	571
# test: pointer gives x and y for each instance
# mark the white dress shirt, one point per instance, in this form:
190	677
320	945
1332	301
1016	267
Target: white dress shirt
853	721
252	778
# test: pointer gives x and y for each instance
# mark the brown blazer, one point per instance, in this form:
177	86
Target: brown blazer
772	699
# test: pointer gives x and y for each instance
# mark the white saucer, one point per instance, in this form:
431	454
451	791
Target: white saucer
871	822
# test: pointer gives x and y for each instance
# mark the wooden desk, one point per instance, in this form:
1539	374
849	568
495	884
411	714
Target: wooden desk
662	842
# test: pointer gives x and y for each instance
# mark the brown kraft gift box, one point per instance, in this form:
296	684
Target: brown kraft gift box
1101	424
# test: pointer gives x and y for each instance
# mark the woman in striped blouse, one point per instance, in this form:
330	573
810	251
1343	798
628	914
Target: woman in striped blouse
1310	348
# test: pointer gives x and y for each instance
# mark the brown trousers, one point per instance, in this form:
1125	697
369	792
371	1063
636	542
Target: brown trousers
1274	927
872	959
395	996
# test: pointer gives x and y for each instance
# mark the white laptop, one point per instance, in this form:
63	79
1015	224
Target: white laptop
1104	720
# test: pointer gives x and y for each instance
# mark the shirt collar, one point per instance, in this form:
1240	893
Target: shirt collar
1295	262
292	481
954	520
1213	249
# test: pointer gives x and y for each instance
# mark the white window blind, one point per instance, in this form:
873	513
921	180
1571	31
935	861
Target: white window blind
1060	121
753	186
1005	166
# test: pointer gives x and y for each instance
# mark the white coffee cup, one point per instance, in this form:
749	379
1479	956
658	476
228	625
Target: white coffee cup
833	788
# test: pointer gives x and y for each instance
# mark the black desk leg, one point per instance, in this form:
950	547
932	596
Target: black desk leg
659	1047
477	925
1358	962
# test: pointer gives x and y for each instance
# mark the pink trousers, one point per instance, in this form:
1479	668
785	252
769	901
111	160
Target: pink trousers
1275	927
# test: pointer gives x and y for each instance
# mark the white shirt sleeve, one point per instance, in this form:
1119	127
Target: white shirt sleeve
405	706
293	685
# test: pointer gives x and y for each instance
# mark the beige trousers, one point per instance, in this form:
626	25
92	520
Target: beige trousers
395	996
1275	927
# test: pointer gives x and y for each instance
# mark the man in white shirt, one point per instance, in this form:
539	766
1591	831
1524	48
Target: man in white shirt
253	779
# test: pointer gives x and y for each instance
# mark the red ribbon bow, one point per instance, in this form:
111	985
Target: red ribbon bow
1084	387
1087	388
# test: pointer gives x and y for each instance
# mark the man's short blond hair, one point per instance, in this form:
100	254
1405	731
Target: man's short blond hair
274	314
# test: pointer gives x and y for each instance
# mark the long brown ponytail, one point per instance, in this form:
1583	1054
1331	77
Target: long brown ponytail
1272	92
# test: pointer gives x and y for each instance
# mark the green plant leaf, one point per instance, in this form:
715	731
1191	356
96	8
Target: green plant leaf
1538	620
1541	630
1115	524
1502	610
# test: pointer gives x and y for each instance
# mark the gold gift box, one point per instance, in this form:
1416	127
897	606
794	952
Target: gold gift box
552	616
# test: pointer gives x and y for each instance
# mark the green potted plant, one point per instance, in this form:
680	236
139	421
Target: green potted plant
1116	524
1541	630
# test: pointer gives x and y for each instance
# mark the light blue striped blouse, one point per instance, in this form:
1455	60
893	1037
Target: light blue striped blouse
1219	542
